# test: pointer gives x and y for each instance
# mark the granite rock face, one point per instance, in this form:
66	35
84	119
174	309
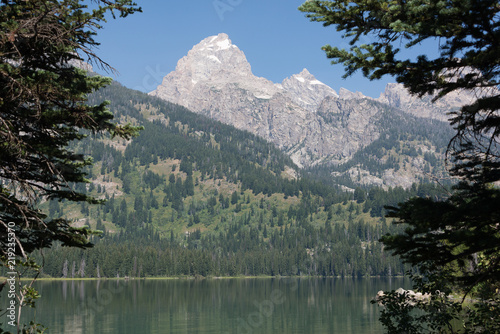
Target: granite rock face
397	96
215	79
303	116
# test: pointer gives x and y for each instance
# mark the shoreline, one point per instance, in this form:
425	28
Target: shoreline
186	278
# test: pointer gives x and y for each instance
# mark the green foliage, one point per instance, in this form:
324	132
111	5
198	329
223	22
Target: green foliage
452	242
466	227
43	108
240	247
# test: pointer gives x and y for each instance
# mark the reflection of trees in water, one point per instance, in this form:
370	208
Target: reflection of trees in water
286	305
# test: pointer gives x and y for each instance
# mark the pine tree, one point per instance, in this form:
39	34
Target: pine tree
454	243
43	107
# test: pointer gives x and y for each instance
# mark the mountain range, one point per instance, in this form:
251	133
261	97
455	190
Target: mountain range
315	125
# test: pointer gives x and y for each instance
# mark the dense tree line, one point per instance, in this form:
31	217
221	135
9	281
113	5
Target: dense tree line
298	248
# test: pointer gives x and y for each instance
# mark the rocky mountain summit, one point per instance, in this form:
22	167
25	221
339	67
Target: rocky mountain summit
304	117
306	91
209	67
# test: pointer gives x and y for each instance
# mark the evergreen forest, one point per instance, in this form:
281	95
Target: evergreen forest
191	196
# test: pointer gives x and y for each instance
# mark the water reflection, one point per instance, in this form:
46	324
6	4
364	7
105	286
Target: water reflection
212	306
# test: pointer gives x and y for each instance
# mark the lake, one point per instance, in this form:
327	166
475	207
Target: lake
212	306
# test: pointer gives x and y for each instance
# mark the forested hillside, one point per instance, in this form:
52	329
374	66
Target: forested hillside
194	197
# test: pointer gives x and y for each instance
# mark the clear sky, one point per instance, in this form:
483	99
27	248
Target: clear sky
277	39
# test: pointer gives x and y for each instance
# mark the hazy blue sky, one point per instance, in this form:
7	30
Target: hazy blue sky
277	39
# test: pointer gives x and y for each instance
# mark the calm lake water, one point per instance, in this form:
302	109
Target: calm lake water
263	306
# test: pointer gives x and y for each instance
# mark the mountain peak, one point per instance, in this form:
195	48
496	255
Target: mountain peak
305	73
215	43
214	62
214	58
304	76
348	95
306	90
